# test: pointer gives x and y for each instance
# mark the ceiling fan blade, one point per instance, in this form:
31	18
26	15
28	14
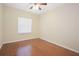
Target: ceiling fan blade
40	3
31	7
40	8
43	3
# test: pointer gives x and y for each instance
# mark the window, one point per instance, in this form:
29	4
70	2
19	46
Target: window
24	25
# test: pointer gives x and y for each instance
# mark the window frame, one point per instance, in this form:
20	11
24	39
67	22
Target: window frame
26	32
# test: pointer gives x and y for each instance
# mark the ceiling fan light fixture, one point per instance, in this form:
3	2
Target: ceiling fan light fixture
37	6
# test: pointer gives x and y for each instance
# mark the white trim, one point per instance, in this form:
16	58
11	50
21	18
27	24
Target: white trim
5	42
0	46
14	41
62	46
46	40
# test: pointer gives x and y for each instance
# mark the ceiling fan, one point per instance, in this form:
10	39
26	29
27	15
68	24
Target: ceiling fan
38	6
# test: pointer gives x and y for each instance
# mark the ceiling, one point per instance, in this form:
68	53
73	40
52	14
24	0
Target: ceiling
26	7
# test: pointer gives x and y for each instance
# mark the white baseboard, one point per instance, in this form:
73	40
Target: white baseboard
5	42
17	40
0	46
62	46
46	40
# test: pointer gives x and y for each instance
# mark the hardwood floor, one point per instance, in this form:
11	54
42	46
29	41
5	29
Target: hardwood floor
35	47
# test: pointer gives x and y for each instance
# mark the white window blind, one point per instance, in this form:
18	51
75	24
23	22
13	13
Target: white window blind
24	25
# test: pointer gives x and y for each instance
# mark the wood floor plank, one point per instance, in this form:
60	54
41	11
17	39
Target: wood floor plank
35	47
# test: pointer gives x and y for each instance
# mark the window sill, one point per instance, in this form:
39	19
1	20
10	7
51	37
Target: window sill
25	33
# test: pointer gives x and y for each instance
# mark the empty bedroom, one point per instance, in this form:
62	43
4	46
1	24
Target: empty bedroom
39	29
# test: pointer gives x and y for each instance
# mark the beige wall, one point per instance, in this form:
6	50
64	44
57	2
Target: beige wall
61	26
0	25
10	25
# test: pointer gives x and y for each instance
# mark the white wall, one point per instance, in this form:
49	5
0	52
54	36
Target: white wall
61	26
11	25
1	26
